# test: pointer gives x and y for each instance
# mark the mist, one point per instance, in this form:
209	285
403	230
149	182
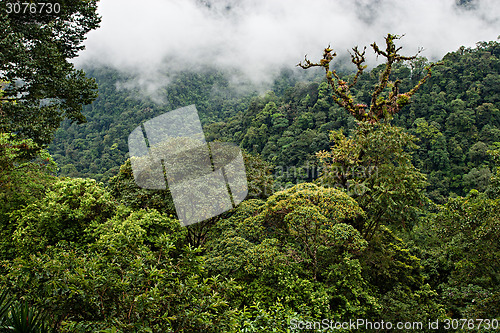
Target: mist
253	39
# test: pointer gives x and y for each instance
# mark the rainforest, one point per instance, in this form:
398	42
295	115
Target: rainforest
373	192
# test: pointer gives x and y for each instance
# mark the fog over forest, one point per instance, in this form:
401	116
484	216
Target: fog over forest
155	39
353	198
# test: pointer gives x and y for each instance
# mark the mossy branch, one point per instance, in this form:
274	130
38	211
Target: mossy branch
341	89
380	107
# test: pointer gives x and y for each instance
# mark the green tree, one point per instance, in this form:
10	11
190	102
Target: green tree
299	247
26	173
118	282
469	230
374	167
123	188
43	85
477	179
68	212
493	190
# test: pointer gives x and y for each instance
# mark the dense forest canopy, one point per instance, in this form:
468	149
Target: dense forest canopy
455	116
373	194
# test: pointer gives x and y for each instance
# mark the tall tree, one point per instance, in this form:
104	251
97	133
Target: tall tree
374	166
41	84
384	103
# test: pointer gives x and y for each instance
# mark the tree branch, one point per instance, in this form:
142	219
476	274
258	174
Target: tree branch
380	107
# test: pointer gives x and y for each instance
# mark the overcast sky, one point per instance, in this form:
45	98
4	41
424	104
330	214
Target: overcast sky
259	36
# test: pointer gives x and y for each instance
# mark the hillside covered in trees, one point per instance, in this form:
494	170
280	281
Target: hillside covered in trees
455	117
373	196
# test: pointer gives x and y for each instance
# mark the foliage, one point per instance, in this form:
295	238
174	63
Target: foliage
374	167
457	103
19	317
98	147
25	173
259	178
365	244
68	211
43	87
148	227
471	226
493	190
459	248
291	250
125	190
117	281
399	277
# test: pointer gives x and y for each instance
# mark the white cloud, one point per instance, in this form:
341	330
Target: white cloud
258	36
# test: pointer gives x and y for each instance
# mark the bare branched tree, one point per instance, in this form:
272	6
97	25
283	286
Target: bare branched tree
381	107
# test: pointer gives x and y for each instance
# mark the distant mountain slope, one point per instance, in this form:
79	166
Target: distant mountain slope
455	114
97	148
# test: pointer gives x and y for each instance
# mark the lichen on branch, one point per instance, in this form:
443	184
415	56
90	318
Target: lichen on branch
381	107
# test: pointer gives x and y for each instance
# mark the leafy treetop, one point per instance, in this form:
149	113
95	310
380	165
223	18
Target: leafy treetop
42	86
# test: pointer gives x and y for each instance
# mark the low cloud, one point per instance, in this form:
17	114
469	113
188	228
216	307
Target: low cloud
256	38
